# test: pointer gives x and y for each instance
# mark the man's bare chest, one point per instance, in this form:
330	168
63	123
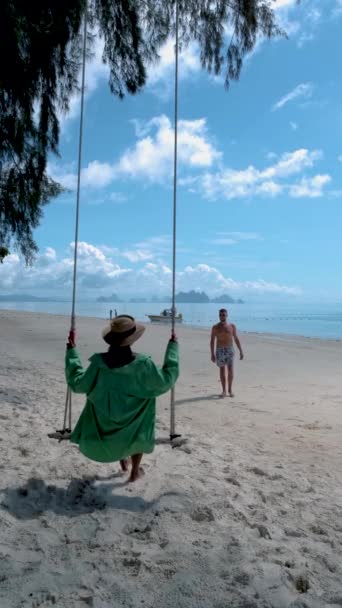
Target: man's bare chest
224	331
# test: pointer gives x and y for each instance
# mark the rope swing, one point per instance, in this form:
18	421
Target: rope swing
67	421
173	434
64	433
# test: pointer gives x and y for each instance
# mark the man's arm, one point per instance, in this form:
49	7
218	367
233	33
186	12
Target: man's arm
237	342
212	344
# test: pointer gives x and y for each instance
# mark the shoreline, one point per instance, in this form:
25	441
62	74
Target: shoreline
182	326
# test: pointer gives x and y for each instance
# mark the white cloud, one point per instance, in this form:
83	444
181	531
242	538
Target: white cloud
95	175
292	163
262	286
231	238
280	4
310	187
337	10
152	156
246	236
293	125
137	255
151	159
99	273
162	73
222	240
304	89
117	197
231	183
313	19
210	279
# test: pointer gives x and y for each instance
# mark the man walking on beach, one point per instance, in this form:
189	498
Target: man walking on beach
224	334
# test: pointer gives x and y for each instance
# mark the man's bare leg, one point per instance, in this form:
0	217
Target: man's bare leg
223	380
230	380
137	471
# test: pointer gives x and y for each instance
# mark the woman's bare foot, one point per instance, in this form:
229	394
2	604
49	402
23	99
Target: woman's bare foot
231	394
124	465
223	395
136	474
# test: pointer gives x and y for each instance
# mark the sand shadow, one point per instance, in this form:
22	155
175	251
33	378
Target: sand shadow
82	496
215	397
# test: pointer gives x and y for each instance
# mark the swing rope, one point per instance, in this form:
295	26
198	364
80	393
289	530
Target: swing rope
68	401
67	422
173	434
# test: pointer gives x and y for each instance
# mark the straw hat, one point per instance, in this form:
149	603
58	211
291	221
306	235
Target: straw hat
123	330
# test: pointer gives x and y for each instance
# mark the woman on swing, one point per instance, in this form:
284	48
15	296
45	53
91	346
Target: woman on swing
118	420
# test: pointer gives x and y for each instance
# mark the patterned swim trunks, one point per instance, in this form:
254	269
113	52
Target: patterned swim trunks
225	356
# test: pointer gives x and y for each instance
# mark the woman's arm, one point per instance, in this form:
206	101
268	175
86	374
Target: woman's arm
79	380
158	380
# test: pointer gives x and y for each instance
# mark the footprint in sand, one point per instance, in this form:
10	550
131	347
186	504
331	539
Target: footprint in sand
233	481
140	531
315	426
133	564
44	599
317	529
257	471
293	533
202	513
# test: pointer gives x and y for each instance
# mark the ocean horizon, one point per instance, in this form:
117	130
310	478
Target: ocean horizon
311	320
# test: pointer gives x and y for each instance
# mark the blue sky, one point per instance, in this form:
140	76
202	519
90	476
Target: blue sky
260	187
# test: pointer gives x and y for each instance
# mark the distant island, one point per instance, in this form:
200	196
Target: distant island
22	297
200	297
108	299
192	296
182	297
225	299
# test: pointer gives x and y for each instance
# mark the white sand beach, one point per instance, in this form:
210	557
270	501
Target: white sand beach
246	514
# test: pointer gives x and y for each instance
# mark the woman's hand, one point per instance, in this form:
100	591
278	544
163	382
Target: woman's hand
71	339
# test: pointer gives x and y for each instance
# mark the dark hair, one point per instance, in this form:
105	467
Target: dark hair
223	310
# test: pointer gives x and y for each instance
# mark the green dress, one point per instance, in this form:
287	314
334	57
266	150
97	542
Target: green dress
118	419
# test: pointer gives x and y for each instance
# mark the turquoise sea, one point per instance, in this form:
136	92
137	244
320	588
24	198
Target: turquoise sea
290	318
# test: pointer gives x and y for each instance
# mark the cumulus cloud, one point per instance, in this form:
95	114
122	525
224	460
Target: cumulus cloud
231	183
137	255
279	4
310	187
99	272
210	279
95	175
304	90
200	166
161	73
152	156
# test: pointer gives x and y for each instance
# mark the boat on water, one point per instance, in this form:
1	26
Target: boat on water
165	317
